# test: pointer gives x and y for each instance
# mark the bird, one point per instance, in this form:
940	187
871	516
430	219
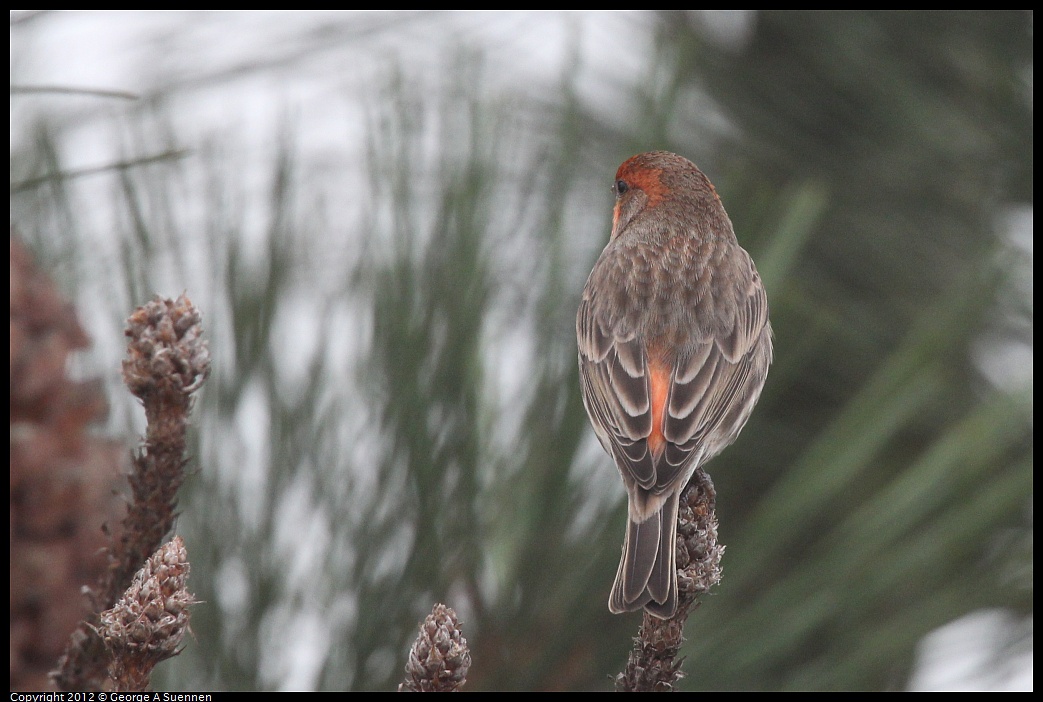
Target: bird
674	347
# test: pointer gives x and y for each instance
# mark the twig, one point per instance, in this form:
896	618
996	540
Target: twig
28	183
167	360
69	90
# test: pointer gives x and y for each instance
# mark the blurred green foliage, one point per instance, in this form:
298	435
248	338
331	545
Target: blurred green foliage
394	417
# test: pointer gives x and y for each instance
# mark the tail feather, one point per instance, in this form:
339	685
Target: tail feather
647	574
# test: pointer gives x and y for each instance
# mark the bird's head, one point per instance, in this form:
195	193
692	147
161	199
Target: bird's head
658	191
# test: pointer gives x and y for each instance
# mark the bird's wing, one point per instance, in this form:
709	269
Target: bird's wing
704	398
715	387
614	376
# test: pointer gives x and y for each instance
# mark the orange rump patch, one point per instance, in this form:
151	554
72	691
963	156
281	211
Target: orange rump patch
658	390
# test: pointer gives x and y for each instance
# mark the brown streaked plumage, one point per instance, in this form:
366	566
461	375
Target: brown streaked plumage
674	347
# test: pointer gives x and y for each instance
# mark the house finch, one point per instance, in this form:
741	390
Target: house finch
674	346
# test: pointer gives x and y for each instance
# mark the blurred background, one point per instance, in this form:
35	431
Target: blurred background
386	219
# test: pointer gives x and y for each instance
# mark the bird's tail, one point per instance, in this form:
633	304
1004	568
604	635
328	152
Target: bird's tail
647	575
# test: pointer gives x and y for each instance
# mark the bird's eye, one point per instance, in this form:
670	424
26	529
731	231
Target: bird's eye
621	187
